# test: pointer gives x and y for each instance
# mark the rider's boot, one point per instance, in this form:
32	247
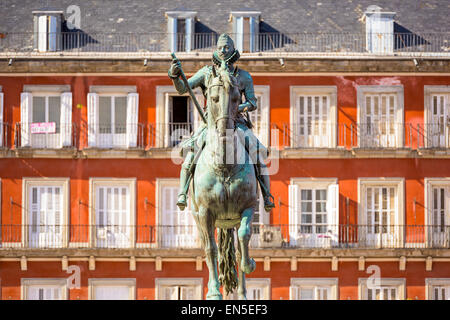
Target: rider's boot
265	190
185	175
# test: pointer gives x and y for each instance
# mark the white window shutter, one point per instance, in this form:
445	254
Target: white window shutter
239	33
26	110
172	31
66	119
2	125
52	33
333	211
92	119
167	119
293	213
42	33
190	22
132	119
253	30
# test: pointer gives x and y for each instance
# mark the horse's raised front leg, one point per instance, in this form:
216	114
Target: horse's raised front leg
247	264
205	224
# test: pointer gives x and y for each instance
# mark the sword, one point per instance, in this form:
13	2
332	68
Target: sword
191	93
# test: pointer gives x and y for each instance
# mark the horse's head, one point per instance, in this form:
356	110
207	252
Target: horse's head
223	100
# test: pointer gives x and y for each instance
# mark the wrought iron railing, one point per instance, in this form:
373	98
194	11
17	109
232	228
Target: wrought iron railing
302	236
141	43
56	137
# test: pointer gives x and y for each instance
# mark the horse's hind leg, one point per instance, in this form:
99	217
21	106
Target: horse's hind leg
247	264
242	291
205	224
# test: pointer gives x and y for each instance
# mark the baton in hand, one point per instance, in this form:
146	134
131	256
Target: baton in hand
191	93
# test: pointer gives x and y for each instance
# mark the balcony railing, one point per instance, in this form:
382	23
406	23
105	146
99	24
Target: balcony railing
63	135
114	136
263	236
141	43
4	134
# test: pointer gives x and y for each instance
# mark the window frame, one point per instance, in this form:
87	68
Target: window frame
26	283
296	237
429	184
398	183
237	18
94	183
400	283
126	282
197	283
399	113
190	19
429	91
432	282
27	183
297	283
331	92
159	209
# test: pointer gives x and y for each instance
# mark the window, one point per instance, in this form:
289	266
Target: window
175	116
178	289
437	117
181	30
386	289
381	212
113	217
380	116
437	199
46	117
260	222
112	289
44	289
257	289
245	30
313	212
177	228
314	289
46	204
379	30
47	30
260	116
313	116
113	117
438	289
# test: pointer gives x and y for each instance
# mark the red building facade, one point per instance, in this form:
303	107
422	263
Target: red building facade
359	161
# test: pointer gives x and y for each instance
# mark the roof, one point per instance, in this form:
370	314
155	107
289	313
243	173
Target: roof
284	16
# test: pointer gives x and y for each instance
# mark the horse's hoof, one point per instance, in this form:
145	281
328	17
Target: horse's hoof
249	267
214	296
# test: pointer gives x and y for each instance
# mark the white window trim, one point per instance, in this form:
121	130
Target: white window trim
236	17
2	122
263	283
25	283
428	91
162	94
429	183
398	90
172	17
331	92
400	283
264	93
132	113
162	282
113	182
399	183
299	282
28	182
128	282
431	282
65	93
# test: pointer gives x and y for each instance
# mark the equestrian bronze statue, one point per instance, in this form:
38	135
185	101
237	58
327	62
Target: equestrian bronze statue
224	161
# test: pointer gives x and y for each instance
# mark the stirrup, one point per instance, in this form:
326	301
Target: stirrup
268	203
181	203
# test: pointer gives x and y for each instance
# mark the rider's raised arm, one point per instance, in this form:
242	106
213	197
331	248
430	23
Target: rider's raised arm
195	81
249	91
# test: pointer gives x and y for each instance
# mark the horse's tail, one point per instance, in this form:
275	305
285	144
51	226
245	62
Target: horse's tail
227	260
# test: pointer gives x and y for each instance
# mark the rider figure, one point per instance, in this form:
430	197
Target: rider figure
225	52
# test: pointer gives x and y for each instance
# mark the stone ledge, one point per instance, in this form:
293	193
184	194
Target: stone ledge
66	153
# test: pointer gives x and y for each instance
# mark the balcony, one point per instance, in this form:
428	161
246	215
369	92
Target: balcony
37	237
78	43
36	136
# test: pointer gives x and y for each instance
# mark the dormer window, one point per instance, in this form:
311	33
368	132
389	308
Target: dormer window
47	30
180	28
245	29
379	30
